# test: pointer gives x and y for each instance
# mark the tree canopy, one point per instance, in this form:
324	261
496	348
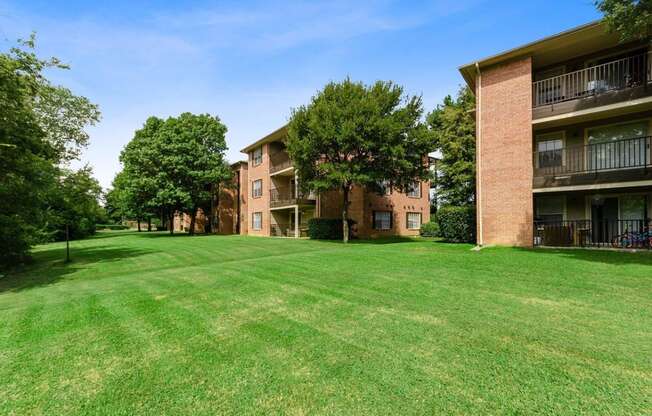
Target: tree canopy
173	165
37	133
453	126
631	19
355	134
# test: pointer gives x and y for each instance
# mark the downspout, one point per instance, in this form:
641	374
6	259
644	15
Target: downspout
478	147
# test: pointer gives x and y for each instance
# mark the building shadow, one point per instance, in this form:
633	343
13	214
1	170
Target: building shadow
49	267
604	256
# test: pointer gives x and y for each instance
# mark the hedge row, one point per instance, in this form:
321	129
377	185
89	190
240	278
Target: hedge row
327	228
457	224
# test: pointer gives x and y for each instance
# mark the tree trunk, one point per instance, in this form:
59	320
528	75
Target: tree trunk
193	214
345	214
138	221
149	224
171	222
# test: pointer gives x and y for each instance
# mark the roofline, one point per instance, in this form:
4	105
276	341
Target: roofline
271	137
527	48
239	162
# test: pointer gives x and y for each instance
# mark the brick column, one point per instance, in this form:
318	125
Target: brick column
504	154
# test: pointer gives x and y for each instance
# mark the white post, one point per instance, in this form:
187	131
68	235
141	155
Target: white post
296	221
296	185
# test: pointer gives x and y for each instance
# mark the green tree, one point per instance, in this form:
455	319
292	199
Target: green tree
190	149
75	204
353	134
453	127
631	19
137	183
31	148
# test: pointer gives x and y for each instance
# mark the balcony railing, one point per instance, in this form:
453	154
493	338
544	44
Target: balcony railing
633	234
629	72
288	196
597	157
279	161
285	230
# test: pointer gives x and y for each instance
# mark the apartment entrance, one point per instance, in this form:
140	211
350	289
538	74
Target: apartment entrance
604	216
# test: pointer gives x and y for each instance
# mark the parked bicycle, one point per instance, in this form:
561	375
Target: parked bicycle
633	239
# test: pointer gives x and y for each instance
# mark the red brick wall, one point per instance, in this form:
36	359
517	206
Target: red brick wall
363	204
504	130
260	204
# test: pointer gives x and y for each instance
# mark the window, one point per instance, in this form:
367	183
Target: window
382	220
550	209
257	188
414	191
617	145
257	220
385	187
550	148
413	220
257	156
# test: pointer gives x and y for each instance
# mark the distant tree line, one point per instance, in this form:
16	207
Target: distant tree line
41	131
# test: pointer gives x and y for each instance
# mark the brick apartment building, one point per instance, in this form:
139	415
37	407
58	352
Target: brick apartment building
266	200
563	141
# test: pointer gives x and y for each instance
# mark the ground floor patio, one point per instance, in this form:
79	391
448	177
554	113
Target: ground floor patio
594	218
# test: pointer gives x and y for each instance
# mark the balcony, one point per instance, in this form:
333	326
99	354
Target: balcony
613	161
279	161
281	197
616	81
631	234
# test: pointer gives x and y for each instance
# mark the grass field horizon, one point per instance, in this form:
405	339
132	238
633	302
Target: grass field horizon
143	323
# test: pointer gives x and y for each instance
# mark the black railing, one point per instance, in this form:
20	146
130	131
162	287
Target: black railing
588	233
288	196
628	72
613	155
285	230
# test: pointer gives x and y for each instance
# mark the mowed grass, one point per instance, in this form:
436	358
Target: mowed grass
152	324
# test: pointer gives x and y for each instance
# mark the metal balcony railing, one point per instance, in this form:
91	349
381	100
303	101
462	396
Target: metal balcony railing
597	157
289	196
587	233
285	230
628	72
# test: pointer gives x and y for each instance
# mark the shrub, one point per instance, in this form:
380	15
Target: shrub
429	229
326	228
457	224
111	227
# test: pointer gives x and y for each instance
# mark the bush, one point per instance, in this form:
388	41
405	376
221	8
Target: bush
429	229
457	224
111	227
327	229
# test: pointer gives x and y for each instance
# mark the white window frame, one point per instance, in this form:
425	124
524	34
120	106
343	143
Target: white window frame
415	191
553	135
407	220
390	222
257	159
253	221
255	194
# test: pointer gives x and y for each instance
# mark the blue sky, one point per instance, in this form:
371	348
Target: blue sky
250	62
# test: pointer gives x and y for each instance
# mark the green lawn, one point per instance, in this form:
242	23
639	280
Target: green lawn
152	324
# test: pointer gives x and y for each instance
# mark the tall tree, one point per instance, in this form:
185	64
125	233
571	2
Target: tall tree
191	150
137	183
453	126
353	134
631	19
75	204
29	150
